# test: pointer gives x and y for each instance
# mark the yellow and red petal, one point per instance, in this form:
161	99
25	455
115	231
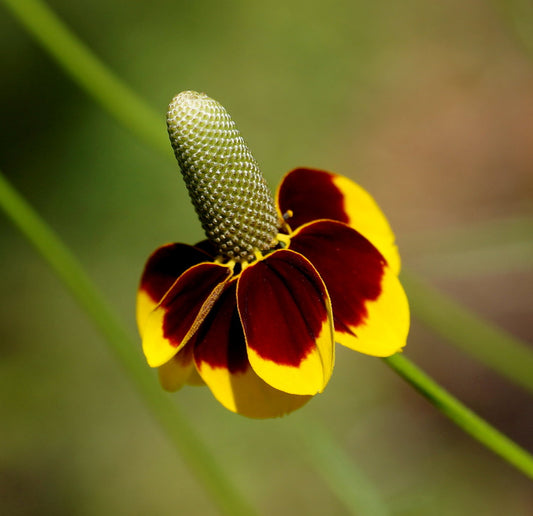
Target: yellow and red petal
162	269
286	316
370	309
315	194
179	314
222	362
179	370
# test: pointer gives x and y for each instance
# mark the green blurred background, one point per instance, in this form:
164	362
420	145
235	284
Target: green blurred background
428	105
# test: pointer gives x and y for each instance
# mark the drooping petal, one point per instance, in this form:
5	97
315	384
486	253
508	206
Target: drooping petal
182	309
221	360
162	269
207	247
179	370
370	309
286	315
315	194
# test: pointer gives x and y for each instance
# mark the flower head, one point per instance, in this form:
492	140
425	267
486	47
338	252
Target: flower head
255	310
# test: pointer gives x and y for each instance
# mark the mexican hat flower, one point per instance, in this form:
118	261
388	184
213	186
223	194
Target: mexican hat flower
254	311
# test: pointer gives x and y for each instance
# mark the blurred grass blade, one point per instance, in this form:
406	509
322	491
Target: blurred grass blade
475	263
480	249
488	344
473	236
472	424
89	72
352	487
181	434
519	16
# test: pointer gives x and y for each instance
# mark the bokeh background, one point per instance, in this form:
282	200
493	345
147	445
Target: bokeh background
429	105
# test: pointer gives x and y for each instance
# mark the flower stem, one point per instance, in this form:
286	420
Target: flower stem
488	344
472	424
178	429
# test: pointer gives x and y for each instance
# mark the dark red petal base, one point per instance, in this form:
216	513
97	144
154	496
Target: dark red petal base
351	267
220	341
283	306
166	264
190	299
310	195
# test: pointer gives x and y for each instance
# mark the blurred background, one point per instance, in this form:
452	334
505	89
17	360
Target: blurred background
428	105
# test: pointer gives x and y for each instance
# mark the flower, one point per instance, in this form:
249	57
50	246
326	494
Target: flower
255	310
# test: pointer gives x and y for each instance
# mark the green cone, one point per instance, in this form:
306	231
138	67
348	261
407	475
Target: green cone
224	182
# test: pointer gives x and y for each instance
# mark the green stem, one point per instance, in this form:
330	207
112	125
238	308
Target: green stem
490	345
462	416
89	72
178	429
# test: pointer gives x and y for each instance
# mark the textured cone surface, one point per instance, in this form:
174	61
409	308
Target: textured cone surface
224	182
